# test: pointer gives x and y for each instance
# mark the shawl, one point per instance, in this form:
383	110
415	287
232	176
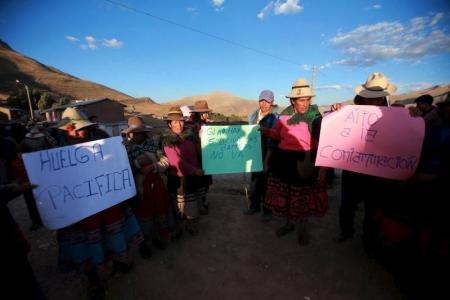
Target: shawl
308	117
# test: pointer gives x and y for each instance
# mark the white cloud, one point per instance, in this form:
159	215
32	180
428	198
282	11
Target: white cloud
91	43
112	43
192	10
306	67
71	38
265	11
374	7
280	7
437	17
334	87
218	4
370	44
287	7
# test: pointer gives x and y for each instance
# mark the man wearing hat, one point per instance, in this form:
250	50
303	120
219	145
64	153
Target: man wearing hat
266	115
358	187
149	166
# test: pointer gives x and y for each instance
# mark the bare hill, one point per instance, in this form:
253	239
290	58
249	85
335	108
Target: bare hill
221	102
144	106
438	92
14	66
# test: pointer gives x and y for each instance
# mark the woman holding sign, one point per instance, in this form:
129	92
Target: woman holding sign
152	207
295	187
89	244
185	172
200	117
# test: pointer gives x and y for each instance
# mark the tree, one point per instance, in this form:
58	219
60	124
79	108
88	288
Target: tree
63	101
45	102
18	100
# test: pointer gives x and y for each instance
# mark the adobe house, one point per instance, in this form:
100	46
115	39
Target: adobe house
110	114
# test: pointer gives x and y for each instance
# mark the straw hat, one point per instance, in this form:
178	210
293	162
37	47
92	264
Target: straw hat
175	114
135	125
300	88
201	106
376	86
72	115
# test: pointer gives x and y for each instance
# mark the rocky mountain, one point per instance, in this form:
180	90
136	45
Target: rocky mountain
15	66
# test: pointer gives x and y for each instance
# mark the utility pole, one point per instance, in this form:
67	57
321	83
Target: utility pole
29	99
313	79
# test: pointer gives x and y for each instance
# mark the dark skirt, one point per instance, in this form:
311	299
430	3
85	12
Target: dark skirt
292	188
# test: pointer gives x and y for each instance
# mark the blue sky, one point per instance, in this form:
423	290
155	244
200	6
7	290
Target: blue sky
140	55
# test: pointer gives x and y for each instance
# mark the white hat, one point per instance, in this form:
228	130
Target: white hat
267	95
376	86
74	116
300	88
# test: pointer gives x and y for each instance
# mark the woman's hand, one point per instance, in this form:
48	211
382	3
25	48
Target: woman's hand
264	129
199	172
414	112
336	107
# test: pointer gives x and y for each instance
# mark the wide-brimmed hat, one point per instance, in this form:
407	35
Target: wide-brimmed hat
136	125
300	88
75	117
175	114
200	106
376	86
267	95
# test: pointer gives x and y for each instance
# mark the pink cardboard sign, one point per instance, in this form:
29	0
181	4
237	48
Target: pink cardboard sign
373	140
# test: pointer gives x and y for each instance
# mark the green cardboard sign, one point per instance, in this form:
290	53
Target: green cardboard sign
231	149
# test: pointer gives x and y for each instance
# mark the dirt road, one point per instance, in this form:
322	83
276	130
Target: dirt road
233	257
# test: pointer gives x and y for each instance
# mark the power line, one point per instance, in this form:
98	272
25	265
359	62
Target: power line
236	44
210	35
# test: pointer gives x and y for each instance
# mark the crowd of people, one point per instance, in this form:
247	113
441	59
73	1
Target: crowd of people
404	219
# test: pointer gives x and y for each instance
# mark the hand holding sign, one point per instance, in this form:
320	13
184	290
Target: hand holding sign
80	180
380	141
231	149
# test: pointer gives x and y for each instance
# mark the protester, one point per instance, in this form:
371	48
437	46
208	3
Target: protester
35	140
357	187
91	242
200	117
267	116
18	278
153	207
425	107
296	188
185	172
